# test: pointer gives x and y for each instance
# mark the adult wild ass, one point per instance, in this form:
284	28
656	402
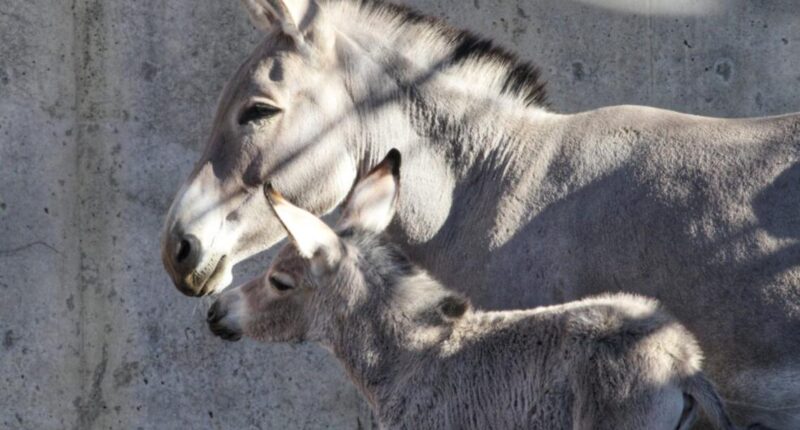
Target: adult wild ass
424	360
701	213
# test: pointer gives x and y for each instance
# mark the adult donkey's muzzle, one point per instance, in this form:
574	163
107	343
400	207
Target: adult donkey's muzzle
181	255
195	244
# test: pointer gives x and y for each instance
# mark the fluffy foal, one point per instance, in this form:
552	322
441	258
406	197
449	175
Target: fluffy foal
424	359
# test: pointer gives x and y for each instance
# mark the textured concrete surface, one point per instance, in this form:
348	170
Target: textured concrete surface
104	107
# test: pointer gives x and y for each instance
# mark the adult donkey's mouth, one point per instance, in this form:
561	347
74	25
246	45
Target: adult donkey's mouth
206	279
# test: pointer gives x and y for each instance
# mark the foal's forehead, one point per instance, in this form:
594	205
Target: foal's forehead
288	259
366	249
376	248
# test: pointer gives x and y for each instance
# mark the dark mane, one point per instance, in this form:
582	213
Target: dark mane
522	79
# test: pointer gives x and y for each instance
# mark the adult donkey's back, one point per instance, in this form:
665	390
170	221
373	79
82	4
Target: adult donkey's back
702	213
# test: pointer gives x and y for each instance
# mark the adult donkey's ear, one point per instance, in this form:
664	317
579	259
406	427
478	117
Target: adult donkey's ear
372	203
312	237
295	18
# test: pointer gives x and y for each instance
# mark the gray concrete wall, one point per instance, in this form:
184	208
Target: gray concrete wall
104	106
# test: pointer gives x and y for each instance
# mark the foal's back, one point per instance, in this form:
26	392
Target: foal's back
614	361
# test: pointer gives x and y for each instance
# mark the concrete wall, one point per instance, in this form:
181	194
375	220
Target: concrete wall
104	106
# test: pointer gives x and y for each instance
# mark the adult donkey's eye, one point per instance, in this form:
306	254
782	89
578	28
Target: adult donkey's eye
258	111
281	283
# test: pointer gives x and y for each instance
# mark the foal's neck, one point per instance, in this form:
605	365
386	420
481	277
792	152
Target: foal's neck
382	339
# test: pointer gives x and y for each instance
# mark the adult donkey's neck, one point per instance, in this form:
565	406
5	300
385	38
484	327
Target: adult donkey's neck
462	129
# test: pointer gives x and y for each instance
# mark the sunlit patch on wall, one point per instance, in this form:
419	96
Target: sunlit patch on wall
660	7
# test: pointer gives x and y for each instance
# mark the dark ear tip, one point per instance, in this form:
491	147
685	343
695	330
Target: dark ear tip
394	159
454	306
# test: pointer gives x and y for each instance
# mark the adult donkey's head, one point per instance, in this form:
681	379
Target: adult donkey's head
283	117
333	86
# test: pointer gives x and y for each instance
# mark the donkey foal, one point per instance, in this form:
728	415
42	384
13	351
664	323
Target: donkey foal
424	359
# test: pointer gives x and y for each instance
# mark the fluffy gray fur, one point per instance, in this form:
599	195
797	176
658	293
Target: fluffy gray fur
425	360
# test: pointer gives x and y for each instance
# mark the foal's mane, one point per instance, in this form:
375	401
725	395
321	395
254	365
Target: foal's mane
478	61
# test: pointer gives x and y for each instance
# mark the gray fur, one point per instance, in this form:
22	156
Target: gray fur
514	205
609	362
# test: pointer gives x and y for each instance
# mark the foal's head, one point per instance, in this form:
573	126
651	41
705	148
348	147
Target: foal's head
323	275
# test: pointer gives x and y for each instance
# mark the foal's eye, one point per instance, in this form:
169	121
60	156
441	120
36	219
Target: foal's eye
280	284
257	112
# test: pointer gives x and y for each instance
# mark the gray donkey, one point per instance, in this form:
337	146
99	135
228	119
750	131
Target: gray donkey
424	359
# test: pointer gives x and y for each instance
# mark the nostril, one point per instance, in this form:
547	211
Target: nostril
184	250
213	313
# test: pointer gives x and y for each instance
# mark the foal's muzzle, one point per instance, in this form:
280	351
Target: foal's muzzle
216	323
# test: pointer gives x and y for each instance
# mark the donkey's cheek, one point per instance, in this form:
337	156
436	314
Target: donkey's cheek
260	329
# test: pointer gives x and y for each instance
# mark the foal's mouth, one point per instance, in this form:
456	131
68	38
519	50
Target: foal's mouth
209	276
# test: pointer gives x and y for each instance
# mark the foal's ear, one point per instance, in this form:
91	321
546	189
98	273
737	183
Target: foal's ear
312	237
372	203
293	17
